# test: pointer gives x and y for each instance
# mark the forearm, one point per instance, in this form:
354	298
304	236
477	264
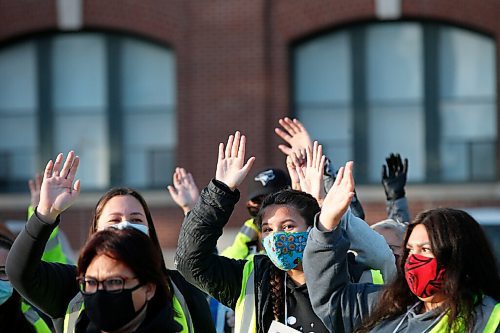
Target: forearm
371	248
195	257
325	267
398	210
47	286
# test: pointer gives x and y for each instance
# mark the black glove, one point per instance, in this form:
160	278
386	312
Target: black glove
394	181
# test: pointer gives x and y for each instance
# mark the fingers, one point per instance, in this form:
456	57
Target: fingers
67	164
285	149
76	186
236	144
246	168
242	146
57	165
31	185
73	168
221	151
229	146
48	170
38	181
384	172
282	134
288	125
173	191
405	166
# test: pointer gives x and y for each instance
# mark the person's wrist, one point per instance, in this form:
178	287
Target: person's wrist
46	214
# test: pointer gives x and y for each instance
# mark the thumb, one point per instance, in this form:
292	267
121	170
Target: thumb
285	149
246	168
172	190
76	186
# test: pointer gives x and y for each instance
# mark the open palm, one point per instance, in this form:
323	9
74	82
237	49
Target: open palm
58	192
231	166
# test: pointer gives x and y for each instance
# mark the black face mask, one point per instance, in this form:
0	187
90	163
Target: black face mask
110	312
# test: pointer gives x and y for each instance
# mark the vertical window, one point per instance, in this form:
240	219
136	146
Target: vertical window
363	92
109	97
79	103
323	93
394	81
467	105
149	113
18	107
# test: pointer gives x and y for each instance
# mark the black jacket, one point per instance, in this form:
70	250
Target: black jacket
51	286
219	276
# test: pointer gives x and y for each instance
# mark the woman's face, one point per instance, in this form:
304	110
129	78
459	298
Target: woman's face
103	267
121	208
282	218
419	243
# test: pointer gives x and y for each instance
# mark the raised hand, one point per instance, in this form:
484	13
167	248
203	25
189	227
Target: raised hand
34	185
184	191
58	192
296	135
338	198
291	164
394	176
231	166
311	175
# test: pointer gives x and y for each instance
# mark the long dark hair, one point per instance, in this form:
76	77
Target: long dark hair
460	246
118	191
135	250
307	207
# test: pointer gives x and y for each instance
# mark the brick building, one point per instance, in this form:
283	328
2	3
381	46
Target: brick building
138	87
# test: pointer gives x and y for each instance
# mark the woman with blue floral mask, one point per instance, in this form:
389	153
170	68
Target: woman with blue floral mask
267	290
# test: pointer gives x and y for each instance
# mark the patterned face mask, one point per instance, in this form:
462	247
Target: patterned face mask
423	276
285	249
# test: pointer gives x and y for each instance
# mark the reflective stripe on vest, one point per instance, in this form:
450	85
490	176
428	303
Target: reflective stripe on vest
250	230
491	325
75	307
34	319
245	306
183	317
376	276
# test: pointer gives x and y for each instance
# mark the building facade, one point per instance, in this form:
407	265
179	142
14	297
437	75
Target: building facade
139	87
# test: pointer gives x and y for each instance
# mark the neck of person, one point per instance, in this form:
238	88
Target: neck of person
134	324
297	275
432	304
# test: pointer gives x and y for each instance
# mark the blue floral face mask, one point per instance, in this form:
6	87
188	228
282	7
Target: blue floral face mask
285	249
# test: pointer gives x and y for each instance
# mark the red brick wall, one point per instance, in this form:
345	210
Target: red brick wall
232	67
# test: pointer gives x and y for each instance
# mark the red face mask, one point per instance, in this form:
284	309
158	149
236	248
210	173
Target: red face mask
422	275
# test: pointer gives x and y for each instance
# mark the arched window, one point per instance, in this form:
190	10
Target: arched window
109	97
425	90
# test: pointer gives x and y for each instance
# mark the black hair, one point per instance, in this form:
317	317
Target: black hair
307	206
462	249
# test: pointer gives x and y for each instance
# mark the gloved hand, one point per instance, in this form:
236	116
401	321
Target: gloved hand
394	177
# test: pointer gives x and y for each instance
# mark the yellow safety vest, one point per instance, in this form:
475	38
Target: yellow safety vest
183	316
245	317
377	277
491	325
239	249
34	318
53	249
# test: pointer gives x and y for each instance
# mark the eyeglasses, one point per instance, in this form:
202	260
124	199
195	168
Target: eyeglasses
3	274
112	285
